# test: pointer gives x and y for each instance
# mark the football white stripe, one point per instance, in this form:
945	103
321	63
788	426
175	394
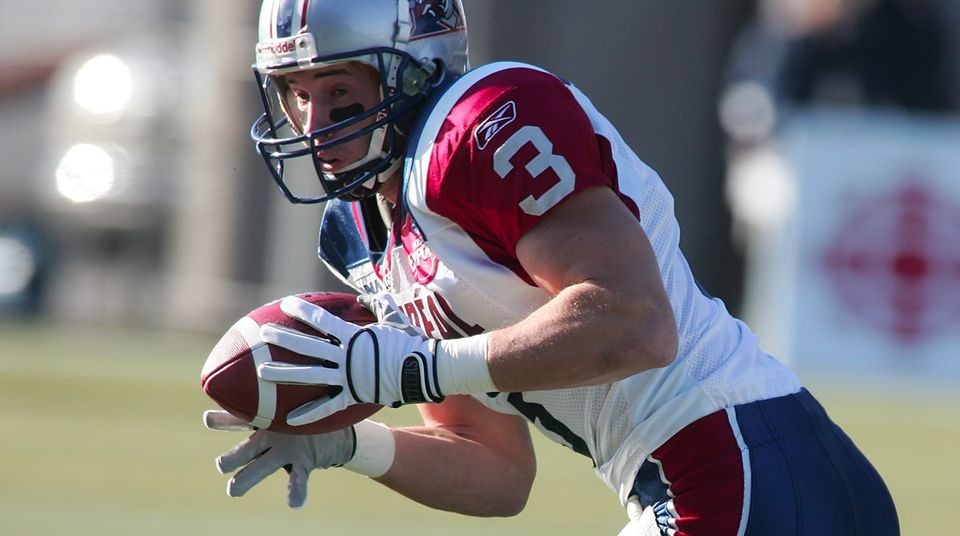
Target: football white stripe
266	391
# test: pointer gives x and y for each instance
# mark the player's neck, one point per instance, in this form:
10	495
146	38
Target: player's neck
385	208
390	190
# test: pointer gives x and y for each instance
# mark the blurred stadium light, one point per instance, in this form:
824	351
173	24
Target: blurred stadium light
102	91
110	131
86	173
103	86
18	269
18	265
105	189
146	182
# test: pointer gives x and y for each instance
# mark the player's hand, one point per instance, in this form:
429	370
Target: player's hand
376	364
265	452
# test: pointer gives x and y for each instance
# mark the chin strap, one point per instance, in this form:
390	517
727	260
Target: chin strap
371	185
374	151
384	175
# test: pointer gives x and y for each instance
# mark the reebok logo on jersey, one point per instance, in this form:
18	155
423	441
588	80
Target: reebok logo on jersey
486	130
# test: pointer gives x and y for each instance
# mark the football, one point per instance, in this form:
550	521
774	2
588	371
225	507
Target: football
229	375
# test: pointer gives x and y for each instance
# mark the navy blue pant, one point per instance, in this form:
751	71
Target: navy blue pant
776	467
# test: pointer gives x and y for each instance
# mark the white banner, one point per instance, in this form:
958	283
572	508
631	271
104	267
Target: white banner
865	272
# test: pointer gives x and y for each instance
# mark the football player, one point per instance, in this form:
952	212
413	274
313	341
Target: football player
526	269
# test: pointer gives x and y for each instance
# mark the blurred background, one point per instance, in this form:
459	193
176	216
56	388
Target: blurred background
813	147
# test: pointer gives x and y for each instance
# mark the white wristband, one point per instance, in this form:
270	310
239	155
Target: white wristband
462	366
374	449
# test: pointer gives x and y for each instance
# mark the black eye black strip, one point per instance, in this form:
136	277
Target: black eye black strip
342	114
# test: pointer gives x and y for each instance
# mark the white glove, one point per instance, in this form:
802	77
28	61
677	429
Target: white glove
388	312
265	452
643	521
376	364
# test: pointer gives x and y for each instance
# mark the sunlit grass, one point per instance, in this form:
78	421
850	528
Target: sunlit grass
102	436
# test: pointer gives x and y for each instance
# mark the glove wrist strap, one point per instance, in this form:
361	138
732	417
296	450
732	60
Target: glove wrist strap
462	366
374	449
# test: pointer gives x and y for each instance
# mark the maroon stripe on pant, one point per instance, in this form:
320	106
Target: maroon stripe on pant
704	469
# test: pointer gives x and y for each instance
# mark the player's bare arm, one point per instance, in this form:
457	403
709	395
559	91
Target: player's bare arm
436	464
609	316
607	297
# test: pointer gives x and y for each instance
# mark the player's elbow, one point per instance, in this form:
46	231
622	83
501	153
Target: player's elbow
664	341
508	496
508	506
509	503
653	344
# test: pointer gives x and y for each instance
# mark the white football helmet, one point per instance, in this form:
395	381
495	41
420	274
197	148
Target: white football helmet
413	44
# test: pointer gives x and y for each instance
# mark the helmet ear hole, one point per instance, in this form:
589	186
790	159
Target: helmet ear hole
417	78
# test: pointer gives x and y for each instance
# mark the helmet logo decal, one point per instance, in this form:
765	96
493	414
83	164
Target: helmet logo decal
283	15
493	124
434	17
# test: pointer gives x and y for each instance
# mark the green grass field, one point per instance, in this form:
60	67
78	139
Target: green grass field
102	436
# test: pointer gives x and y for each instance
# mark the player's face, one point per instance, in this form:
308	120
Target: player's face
321	97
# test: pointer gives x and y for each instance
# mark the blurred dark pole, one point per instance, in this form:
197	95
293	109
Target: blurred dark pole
205	248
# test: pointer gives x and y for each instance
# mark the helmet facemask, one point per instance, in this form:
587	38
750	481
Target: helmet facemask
279	136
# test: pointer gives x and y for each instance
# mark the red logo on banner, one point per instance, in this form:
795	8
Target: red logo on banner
895	262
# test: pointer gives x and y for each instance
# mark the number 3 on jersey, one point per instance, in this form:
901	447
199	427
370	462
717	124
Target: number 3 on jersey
545	159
